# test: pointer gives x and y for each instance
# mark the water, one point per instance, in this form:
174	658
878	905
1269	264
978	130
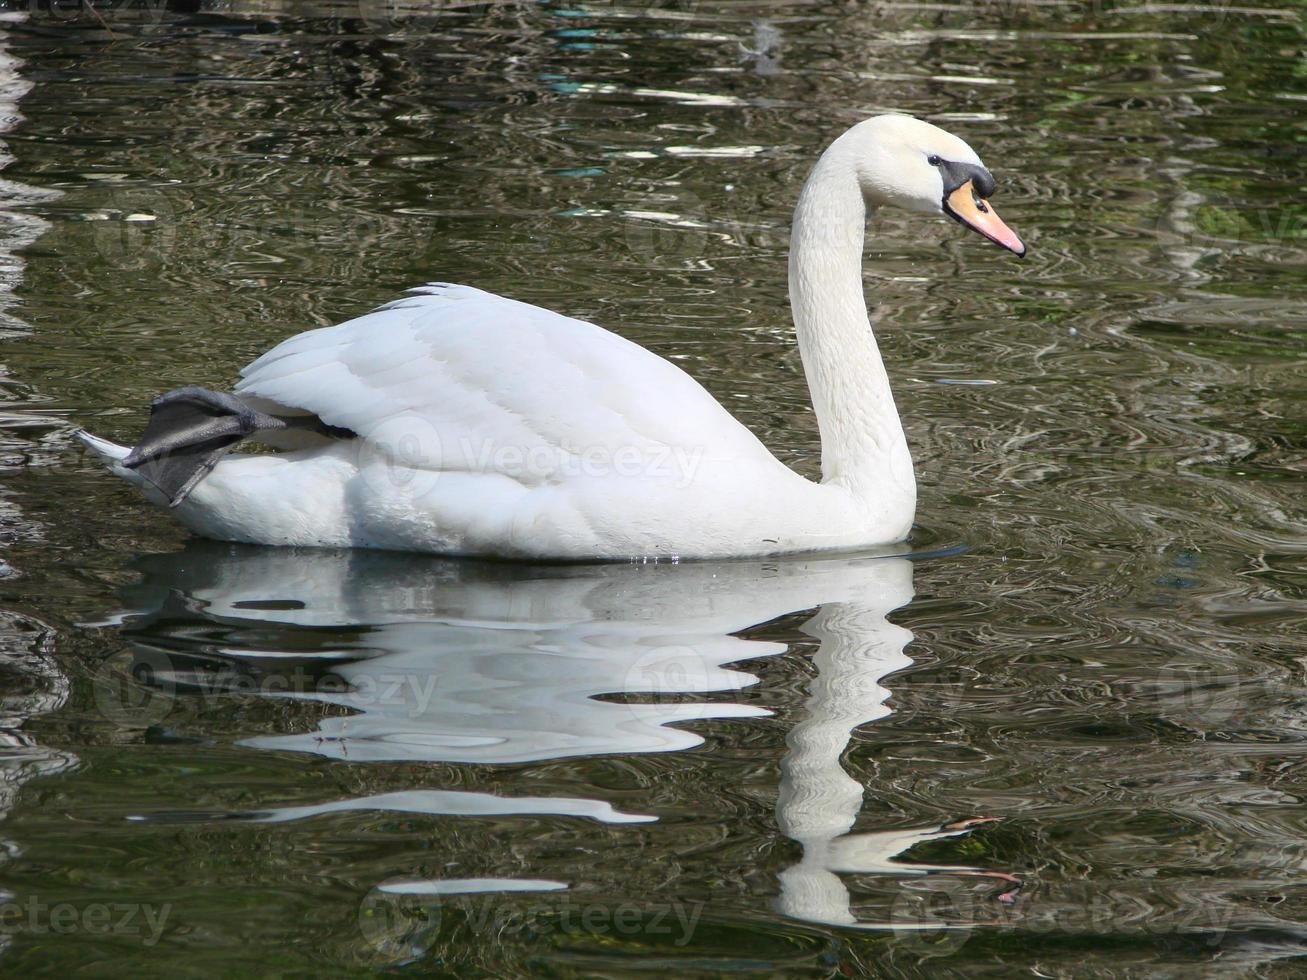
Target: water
1067	739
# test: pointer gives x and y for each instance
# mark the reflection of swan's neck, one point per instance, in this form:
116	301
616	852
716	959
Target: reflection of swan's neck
818	799
862	442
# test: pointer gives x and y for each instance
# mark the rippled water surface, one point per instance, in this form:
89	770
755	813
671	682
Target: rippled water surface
1067	739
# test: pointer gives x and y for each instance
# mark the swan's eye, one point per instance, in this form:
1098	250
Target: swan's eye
933	160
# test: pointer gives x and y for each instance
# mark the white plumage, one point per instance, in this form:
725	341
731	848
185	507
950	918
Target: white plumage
470	364
486	426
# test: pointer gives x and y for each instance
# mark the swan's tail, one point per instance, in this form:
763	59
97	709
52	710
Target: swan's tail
189	431
112	455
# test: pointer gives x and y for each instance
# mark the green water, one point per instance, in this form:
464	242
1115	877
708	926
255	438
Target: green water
1067	740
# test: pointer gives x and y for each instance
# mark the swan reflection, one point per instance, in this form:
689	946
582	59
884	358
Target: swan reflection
437	660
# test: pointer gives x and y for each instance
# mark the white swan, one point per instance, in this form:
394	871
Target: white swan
460	422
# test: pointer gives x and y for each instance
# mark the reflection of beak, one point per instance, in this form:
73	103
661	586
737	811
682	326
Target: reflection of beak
976	213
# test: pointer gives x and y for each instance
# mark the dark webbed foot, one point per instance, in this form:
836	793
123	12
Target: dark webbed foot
189	431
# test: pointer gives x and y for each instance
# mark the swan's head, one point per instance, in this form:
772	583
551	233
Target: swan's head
910	164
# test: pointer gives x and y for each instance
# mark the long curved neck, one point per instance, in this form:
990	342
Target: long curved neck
862	442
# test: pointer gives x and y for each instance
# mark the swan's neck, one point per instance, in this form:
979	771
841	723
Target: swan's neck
862	442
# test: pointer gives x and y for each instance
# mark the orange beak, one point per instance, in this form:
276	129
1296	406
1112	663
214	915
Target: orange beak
976	213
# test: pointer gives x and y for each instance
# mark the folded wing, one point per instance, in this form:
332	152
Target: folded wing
493	382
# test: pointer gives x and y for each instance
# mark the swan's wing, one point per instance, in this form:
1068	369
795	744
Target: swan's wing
488	379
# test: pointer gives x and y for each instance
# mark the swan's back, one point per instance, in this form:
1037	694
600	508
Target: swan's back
492	383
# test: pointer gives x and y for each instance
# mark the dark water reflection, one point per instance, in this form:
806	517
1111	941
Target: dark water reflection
490	664
443	661
1085	762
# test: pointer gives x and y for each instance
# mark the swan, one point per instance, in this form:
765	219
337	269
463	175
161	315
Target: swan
456	421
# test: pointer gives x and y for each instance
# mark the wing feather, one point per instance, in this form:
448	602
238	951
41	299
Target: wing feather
484	372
